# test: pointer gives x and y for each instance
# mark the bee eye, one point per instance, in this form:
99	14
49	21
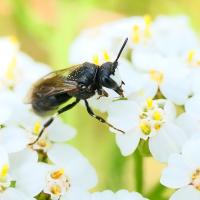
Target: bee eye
82	86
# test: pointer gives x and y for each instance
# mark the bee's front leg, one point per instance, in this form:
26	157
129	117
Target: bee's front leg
102	93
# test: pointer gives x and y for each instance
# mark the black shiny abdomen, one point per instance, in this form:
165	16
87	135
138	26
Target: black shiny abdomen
49	103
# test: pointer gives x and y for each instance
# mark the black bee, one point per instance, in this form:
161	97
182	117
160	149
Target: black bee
79	81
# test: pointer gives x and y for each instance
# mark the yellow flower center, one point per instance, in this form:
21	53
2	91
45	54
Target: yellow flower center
10	73
106	56
148	22
149	102
36	128
4	172
157	126
136	34
13	39
56	190
156	76
42	143
57	174
95	59
157	116
196	179
191	55
145	128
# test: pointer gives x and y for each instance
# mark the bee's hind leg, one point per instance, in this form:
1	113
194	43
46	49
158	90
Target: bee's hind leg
91	113
50	120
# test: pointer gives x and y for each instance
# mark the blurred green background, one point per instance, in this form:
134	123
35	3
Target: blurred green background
46	28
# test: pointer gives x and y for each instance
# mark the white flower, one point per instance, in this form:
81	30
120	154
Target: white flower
183	172
170	75
18	71
17	180
152	120
119	195
70	171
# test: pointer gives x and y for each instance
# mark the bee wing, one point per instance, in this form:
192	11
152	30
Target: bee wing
53	83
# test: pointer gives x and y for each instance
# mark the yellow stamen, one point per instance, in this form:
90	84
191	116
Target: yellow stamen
157	126
56	190
13	39
148	22
149	102
4	171
106	56
145	128
95	59
157	116
136	34
156	76
198	62
36	128
57	174
191	55
42	143
10	73
148	19
196	179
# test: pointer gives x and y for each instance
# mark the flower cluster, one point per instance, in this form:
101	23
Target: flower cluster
161	71
50	168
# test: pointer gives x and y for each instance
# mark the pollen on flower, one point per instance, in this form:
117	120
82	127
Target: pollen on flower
157	116
196	179
148	22
4	171
149	102
136	34
56	190
57	174
42	143
190	55
106	56
95	59
145	128
13	39
10	72
156	76
36	128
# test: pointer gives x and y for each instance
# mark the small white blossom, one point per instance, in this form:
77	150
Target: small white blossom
183	172
152	120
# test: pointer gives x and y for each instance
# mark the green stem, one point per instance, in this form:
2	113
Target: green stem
138	171
158	190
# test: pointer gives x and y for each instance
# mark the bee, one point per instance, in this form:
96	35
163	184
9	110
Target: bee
79	81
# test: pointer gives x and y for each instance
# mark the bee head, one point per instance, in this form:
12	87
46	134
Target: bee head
107	69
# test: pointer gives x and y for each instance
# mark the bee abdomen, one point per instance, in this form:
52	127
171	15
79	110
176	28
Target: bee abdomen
47	104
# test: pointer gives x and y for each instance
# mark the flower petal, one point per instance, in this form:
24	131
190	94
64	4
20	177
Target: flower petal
128	142
186	193
169	140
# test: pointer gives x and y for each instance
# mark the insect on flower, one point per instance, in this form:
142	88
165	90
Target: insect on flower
80	81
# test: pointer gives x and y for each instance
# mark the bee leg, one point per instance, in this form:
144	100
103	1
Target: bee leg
91	113
49	121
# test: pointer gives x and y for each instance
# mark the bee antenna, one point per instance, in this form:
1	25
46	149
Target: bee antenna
120	51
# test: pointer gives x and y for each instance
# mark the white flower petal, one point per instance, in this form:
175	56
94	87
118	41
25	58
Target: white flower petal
14	194
128	142
80	171
13	139
123	114
186	193
176	89
60	132
126	195
177	174
169	140
190	153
